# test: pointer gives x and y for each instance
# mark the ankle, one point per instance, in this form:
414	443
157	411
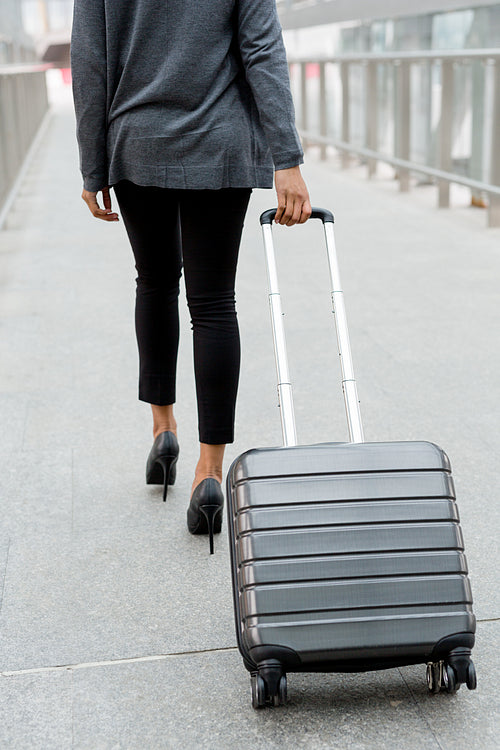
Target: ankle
165	427
163	419
206	473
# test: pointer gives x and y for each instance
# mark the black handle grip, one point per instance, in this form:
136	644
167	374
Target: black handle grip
317	213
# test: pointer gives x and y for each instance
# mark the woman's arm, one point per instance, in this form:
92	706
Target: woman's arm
264	57
88	68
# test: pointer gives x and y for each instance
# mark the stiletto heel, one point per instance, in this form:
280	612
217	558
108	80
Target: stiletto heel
204	515
169	471
162	460
210	512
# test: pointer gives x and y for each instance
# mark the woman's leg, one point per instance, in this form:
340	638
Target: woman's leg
211	225
151	218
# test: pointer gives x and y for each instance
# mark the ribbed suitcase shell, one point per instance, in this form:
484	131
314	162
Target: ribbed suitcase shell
347	556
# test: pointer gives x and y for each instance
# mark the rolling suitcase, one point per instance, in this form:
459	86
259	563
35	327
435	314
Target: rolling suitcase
345	557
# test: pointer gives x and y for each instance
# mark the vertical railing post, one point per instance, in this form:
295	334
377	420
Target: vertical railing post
402	125
371	113
24	120
344	77
478	77
45	94
3	142
18	123
494	200
430	144
303	100
323	124
11	127
446	130
33	97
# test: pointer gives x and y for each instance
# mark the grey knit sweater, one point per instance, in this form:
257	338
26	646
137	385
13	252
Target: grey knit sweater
181	93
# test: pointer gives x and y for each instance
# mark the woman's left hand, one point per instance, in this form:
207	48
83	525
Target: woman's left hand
294	206
105	213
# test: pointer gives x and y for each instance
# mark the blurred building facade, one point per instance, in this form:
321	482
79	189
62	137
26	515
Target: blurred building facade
418	89
329	27
332	27
15	43
49	24
35	30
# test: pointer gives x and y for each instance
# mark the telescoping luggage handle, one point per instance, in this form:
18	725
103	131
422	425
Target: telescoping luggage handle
284	385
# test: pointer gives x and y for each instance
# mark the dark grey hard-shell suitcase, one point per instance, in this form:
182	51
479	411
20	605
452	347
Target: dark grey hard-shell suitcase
345	556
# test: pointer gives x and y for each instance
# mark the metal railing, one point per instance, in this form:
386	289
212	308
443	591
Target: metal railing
23	105
433	113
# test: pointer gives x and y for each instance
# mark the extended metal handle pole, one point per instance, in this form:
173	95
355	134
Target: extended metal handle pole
349	387
285	399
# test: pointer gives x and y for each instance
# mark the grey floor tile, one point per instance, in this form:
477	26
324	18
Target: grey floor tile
468	718
114	594
36	711
13	410
4	557
203	701
36	490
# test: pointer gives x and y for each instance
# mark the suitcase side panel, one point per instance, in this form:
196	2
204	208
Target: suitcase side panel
289	599
333	567
292	543
438	509
291	490
335	645
331	458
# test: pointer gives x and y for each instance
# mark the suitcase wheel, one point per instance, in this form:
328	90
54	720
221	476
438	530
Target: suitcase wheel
434	676
268	685
258	690
471	676
282	690
447	676
450	679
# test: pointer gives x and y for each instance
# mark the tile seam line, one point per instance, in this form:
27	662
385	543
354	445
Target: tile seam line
135	659
112	662
420	712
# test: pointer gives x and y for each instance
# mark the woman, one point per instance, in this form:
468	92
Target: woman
183	107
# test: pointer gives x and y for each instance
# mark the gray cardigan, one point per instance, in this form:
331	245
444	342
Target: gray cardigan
181	93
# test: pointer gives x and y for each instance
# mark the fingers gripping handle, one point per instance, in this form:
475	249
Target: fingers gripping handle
317	213
284	385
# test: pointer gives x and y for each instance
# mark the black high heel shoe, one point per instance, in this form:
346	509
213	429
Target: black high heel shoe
162	459
204	515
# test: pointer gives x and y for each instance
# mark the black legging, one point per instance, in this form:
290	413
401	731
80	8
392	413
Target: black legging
200	229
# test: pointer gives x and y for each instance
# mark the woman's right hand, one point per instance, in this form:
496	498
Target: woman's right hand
294	206
105	213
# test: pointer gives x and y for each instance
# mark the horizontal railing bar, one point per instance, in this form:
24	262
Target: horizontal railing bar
16	68
394	161
458	55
